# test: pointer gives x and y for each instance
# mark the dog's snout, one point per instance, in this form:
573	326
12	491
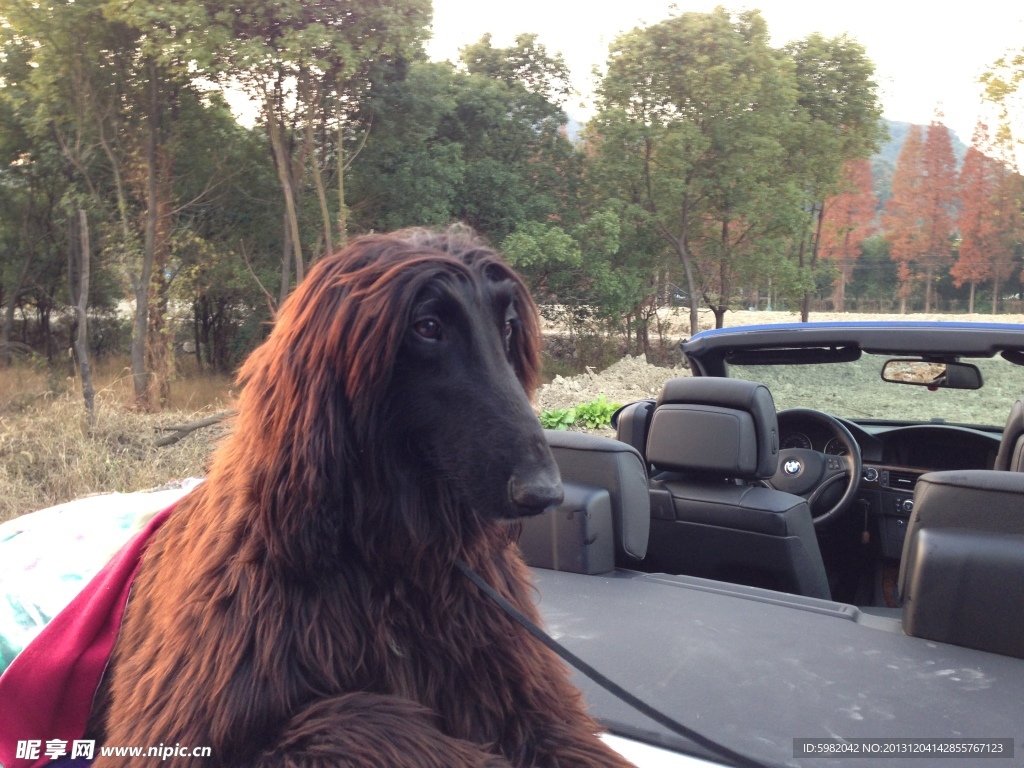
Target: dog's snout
536	491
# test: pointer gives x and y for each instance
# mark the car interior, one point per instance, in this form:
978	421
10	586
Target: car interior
697	487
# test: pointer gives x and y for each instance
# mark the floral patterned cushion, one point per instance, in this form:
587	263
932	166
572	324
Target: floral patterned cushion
46	557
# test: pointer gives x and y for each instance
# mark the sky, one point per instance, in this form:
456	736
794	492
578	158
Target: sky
927	54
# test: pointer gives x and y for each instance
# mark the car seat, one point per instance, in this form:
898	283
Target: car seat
1011	447
962	573
605	516
709	442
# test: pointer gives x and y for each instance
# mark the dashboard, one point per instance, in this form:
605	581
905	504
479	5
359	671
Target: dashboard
810	435
893	457
923	447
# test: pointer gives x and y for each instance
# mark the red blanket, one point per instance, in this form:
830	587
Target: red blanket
47	691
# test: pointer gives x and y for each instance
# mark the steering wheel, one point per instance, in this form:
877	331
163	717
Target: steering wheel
810	473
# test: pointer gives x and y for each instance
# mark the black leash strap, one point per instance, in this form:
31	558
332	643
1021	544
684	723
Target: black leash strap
613	688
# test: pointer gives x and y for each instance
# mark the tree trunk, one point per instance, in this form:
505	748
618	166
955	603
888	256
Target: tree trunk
139	334
800	262
318	180
197	340
970	301
82	340
158	352
45	308
286	272
342	210
839	301
682	248
805	303
691	287
719	313
723	278
284	176
12	303
928	288
995	295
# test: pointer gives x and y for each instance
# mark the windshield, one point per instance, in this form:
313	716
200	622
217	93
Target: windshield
855	390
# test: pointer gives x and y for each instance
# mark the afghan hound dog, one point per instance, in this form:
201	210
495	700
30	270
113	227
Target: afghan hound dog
302	607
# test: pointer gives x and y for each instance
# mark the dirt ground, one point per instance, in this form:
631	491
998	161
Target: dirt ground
632	378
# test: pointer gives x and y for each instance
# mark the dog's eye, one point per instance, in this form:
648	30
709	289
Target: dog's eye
507	334
428	328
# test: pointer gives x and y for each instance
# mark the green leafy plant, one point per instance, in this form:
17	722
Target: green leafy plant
595	414
558	418
592	415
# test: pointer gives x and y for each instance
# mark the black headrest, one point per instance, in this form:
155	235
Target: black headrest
618	468
631	423
962	559
980	499
716	425
969	499
1011	449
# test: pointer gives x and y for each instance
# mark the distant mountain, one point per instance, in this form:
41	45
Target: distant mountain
898	134
883	163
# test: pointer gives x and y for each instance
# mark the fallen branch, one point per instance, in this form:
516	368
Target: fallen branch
182	430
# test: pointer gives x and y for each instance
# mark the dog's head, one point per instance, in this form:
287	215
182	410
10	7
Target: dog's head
397	377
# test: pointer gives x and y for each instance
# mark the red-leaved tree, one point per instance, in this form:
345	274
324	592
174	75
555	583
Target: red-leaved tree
903	215
848	222
938	197
979	240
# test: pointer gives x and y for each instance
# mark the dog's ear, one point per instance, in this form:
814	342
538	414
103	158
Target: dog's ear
525	347
296	408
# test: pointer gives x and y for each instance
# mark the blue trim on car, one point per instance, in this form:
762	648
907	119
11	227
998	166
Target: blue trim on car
957	325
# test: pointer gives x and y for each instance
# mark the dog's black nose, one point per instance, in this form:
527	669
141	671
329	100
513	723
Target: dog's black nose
536	492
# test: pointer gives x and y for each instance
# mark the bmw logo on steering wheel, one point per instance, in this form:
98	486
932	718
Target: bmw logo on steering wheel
792	467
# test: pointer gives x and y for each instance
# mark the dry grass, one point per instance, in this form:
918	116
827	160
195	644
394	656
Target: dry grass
50	454
190	391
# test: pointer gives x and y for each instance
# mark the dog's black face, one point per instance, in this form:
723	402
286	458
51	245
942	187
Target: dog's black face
462	409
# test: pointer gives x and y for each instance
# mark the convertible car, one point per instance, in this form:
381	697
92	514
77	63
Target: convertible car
810	550
808	553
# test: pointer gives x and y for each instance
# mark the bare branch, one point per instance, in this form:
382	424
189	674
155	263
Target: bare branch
362	144
183	430
271	304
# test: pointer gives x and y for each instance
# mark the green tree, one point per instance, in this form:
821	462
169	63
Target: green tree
691	114
478	144
839	120
508	122
96	85
1004	88
307	64
873	276
409	172
33	227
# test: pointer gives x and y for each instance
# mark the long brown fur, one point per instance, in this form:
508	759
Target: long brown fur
300	608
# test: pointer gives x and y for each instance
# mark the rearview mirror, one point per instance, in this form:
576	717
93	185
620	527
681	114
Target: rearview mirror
932	374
